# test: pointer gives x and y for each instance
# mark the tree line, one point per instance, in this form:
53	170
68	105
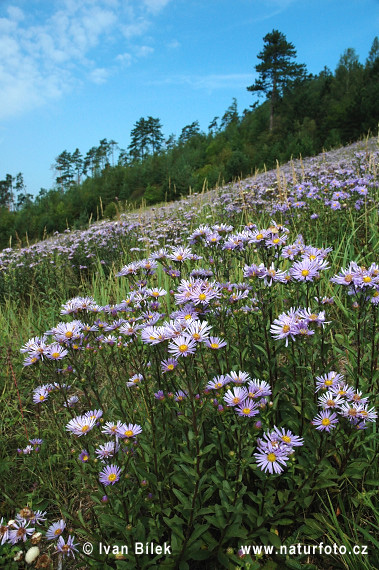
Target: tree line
301	113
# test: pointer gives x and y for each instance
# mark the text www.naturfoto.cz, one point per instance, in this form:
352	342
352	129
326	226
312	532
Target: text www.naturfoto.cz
297	549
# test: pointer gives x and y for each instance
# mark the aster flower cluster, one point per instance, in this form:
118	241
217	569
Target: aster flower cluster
21	527
275	448
118	431
296	322
340	400
221	236
27	525
33	447
41	393
358	280
81	425
246	396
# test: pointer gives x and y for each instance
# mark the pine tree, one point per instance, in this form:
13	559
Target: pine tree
277	70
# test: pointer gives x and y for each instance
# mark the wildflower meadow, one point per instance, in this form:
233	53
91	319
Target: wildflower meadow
192	383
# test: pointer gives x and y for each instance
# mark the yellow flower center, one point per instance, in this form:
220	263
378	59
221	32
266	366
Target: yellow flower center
286	439
69	334
367	279
155	294
271	457
214	345
276	240
112	477
328	382
305	272
202	296
183	347
363	413
246	411
236	400
352	412
128	433
312	257
187	317
85	428
286	328
42	397
170	367
196	336
331	403
259	236
55	355
58	531
179	257
85	458
325	422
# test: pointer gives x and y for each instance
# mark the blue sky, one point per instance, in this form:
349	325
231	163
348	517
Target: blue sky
73	72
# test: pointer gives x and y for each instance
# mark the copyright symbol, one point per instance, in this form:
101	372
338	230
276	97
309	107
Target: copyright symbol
87	548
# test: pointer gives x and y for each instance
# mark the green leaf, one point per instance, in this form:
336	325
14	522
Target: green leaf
284	522
274	539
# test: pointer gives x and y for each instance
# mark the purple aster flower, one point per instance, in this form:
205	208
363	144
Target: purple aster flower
302	328
128	430
258	389
109	449
247	408
81	425
236	396
84	456
169	365
110	475
217	383
328	380
94	414
67	548
159	395
343	390
4	531
288	438
238	377
325	420
110	428
307	269
19	530
56	352
215	343
183	345
284	327
198	330
180	395
135	380
55	530
40	394
270	458
330	400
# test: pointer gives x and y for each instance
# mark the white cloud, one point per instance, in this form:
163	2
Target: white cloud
173	44
124	58
155	5
99	75
209	82
144	51
42	59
